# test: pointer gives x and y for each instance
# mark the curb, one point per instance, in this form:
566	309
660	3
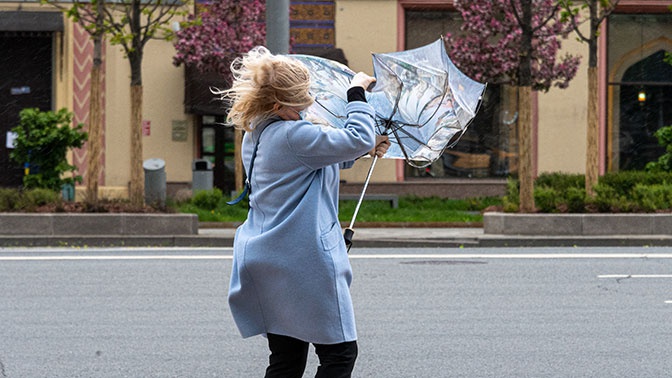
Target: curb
576	225
214	241
91	224
498	230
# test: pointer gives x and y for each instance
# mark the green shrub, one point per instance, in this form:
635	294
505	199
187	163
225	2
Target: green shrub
561	180
652	197
546	199
625	191
33	198
625	181
42	142
9	198
576	200
604	200
511	200
208	199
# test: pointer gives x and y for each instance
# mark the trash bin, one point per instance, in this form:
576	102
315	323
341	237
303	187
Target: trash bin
202	177
155	182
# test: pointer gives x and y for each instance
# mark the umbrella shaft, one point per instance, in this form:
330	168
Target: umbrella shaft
361	197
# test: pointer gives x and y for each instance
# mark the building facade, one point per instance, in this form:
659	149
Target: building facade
45	60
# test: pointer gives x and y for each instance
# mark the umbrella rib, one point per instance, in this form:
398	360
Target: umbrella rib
401	145
329	111
409	135
443	96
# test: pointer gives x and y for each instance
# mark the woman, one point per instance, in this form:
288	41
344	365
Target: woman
291	275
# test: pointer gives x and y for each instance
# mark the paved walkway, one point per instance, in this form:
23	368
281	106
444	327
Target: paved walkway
383	237
468	237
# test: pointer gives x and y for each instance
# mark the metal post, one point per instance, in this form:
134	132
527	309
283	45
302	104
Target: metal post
277	26
349	232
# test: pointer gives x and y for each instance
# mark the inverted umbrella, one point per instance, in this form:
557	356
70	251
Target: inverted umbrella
421	100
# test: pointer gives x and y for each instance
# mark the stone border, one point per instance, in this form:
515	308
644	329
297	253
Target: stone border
577	224
48	224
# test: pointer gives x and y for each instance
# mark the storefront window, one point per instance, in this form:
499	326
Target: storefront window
217	146
489	146
640	88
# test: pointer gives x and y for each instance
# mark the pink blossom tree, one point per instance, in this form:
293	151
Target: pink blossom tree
219	32
515	42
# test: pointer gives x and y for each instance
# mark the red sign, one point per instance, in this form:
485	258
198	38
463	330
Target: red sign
146	127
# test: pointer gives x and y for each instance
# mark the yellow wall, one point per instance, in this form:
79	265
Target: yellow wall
363	27
163	99
562	119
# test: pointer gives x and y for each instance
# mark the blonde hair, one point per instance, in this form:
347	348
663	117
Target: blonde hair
262	80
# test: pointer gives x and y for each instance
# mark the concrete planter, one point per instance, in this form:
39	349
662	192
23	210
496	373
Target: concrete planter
63	224
577	224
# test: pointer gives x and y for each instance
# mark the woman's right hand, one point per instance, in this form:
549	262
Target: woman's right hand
362	80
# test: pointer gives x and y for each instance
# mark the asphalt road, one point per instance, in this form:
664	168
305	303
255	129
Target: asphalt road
562	312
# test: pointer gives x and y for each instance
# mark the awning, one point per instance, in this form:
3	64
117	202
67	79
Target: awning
198	99
26	21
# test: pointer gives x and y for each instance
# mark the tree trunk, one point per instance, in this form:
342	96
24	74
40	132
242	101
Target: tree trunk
525	111
238	157
525	173
95	124
137	186
95	140
593	131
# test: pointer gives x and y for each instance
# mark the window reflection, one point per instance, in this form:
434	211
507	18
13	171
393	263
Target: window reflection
489	147
640	88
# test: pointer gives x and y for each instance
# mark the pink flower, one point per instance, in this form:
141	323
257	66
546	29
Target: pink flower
227	28
489	46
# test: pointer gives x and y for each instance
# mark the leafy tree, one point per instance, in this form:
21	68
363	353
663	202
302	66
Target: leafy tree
515	42
598	11
664	162
217	34
42	143
129	24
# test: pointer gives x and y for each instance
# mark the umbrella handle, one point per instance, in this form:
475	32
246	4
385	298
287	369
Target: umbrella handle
347	236
349	232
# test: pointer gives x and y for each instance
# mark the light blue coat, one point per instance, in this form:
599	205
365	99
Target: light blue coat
291	274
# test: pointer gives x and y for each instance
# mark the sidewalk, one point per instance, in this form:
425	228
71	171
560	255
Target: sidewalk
461	237
411	237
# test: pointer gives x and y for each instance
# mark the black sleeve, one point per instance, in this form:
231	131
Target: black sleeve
356	94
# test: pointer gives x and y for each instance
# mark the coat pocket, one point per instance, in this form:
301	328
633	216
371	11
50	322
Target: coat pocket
332	238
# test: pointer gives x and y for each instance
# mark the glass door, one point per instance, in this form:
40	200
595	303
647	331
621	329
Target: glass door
217	146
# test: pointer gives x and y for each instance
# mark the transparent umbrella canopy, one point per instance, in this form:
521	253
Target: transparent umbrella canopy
423	102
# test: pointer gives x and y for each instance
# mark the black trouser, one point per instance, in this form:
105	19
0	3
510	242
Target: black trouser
288	358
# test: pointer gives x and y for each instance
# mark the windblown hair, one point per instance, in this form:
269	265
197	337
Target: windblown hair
261	80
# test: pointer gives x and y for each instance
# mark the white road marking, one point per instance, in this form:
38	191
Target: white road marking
519	256
226	255
635	276
120	257
670	302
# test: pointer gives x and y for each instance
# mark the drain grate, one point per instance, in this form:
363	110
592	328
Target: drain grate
443	262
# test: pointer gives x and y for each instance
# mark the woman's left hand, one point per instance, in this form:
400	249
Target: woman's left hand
382	144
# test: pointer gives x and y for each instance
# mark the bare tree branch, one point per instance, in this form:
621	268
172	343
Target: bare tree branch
551	16
515	12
